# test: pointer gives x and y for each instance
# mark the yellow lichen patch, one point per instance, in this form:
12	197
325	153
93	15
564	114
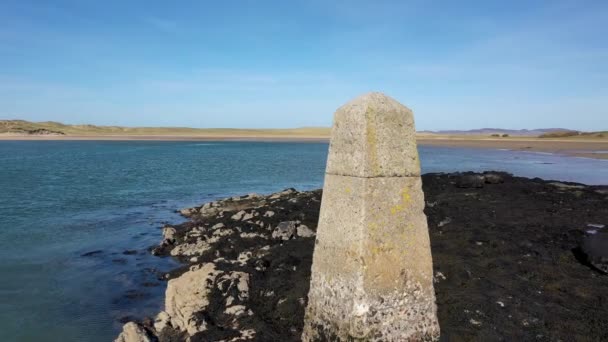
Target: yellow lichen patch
403	203
348	190
405	196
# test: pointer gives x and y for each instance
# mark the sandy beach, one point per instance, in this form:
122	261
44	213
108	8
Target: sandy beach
590	148
597	148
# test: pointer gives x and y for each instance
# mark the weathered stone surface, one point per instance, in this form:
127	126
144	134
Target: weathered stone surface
373	135
304	231
285	230
187	295
372	275
132	332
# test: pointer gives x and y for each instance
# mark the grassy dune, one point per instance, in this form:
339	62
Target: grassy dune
50	128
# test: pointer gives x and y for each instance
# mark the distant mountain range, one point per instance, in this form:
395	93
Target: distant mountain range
510	132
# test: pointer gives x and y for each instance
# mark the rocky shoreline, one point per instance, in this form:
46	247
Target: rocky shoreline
514	258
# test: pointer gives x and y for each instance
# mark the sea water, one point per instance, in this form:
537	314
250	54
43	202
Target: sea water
76	217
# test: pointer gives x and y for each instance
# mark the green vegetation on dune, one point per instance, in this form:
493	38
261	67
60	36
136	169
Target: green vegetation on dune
575	134
56	128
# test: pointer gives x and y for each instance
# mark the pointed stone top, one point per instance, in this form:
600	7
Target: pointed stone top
375	99
373	136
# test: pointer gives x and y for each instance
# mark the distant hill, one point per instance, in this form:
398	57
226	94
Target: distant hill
510	132
21	127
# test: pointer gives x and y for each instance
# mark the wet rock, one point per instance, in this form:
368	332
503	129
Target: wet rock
169	234
133	332
285	230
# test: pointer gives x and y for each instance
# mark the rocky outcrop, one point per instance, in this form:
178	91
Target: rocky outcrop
187	295
502	255
225	245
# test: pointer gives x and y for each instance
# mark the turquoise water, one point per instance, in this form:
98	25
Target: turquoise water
59	200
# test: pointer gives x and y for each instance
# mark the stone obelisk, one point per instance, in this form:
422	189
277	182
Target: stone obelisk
372	274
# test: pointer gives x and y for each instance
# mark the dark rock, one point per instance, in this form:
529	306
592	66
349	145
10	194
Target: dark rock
595	248
92	253
470	181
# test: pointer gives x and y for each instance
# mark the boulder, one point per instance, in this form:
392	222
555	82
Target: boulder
285	230
169	234
187	295
595	247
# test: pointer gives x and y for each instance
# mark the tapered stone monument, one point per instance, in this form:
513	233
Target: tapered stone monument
372	274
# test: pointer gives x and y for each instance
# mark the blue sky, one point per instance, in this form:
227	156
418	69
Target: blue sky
457	64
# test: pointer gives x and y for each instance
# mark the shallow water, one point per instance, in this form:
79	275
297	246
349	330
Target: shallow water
61	199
